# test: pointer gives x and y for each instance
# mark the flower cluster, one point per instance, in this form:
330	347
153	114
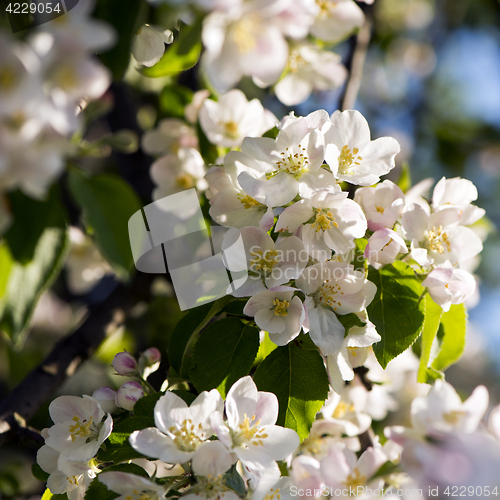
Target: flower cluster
45	81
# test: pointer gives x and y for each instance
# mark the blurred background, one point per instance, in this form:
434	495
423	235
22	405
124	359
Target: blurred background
431	79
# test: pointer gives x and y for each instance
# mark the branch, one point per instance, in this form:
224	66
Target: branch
357	63
68	354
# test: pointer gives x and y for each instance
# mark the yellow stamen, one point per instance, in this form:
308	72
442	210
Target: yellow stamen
324	220
348	159
281	307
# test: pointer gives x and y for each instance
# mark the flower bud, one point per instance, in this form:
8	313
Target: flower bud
149	361
106	398
125	364
128	394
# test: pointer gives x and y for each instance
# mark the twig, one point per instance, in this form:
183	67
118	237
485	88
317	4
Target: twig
357	64
25	400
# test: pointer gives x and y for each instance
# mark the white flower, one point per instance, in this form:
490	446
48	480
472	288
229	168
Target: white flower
342	469
459	193
251	433
231	119
437	238
310	69
269	264
306	474
442	410
383	247
80	427
85	265
337	222
132	486
106	397
276	170
352	156
180	429
295	17
174	173
277	312
336	19
448	285
382	204
333	288
230	206
148	44
192	110
352	354
244	41
66	476
169	137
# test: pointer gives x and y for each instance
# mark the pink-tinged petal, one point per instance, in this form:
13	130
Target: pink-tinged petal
293	89
280	442
471	214
294	216
168	403
475	406
268	321
124	483
262	150
465	243
292	134
371	461
353	129
326	331
414	221
47	457
335	467
206	404
150	442
241	401
211	459
267	408
277	191
64	408
440	276
221	430
445	217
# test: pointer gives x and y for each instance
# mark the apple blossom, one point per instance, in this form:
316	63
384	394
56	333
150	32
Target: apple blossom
309	69
448	285
336	19
306	474
80	427
106	397
149	361
382	204
125	364
231	119
277	312
333	288
128	394
383	247
180	429
132	486
148	44
169	137
174	173
352	155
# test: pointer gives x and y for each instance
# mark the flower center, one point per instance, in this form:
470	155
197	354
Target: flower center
273	494
231	129
325	7
185	181
83	428
281	307
355	479
453	417
380	210
184	436
324	220
7	78
295	61
263	261
342	410
437	240
211	487
66	77
328	295
72	480
142	495
292	163
249	202
348	159
249	432
245	32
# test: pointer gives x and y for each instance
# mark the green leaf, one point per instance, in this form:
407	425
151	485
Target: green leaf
126	16
454	326
39	473
267	346
107	202
27	282
146	405
350	320
187	397
233	480
298	378
181	55
232	347
48	495
404	181
173	100
99	491
396	311
433	313
187	328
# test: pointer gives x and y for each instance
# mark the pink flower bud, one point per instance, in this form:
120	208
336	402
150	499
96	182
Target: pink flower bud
128	394
151	356
106	398
125	364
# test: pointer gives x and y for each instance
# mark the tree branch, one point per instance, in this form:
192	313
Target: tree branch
68	354
348	100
